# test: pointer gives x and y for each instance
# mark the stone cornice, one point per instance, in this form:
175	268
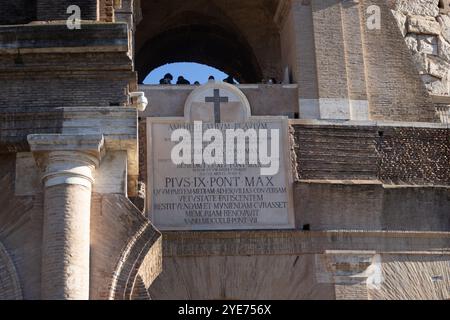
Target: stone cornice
118	125
67	159
57	38
230	243
368	124
90	143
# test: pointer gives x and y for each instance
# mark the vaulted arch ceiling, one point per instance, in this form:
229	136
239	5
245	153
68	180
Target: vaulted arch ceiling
218	33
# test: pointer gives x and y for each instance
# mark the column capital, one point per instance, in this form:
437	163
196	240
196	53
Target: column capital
67	159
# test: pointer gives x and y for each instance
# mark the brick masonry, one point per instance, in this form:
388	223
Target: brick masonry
339	168
57	9
414	156
391	155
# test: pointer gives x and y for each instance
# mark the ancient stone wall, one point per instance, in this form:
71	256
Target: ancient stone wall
192	261
402	155
57	9
121	237
45	67
336	153
364	205
52	57
413	276
414	156
425	24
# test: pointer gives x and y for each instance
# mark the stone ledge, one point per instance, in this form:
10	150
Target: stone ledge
367	124
341	182
64	142
371	182
233	243
118	125
34	38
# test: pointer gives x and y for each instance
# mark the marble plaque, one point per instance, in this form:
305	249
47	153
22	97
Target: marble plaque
218	196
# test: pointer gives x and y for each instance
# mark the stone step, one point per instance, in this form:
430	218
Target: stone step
340	152
331	161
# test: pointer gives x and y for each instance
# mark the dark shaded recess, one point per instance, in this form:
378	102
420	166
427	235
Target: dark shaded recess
207	44
57	9
17	11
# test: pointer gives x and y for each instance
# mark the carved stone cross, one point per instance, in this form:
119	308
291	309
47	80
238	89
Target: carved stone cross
217	100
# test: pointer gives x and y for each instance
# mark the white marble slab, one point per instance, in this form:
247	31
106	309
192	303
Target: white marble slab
229	197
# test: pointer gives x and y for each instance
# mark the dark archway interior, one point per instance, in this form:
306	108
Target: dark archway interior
203	32
210	45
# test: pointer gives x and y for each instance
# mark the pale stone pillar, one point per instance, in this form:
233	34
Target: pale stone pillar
68	164
322	43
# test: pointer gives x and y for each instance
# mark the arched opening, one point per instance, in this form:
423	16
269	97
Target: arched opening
214	33
200	44
190	71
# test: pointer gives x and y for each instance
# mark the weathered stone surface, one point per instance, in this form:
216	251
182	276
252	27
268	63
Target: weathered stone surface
418	7
423	25
444	22
78	82
428	44
444	49
438	67
435	85
401	20
421	62
427	36
412	43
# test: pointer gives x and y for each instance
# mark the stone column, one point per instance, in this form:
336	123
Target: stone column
295	21
322	43
68	163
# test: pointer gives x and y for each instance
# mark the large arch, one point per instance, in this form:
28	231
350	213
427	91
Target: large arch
210	45
211	32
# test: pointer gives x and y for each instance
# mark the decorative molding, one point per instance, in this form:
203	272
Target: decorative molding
67	159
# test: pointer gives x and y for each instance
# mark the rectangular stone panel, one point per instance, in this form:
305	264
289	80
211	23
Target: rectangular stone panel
217	197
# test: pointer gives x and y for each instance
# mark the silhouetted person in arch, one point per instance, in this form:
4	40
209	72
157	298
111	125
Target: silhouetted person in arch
229	80
211	79
182	81
196	83
167	79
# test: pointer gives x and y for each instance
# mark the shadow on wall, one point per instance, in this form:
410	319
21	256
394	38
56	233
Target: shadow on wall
17	11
